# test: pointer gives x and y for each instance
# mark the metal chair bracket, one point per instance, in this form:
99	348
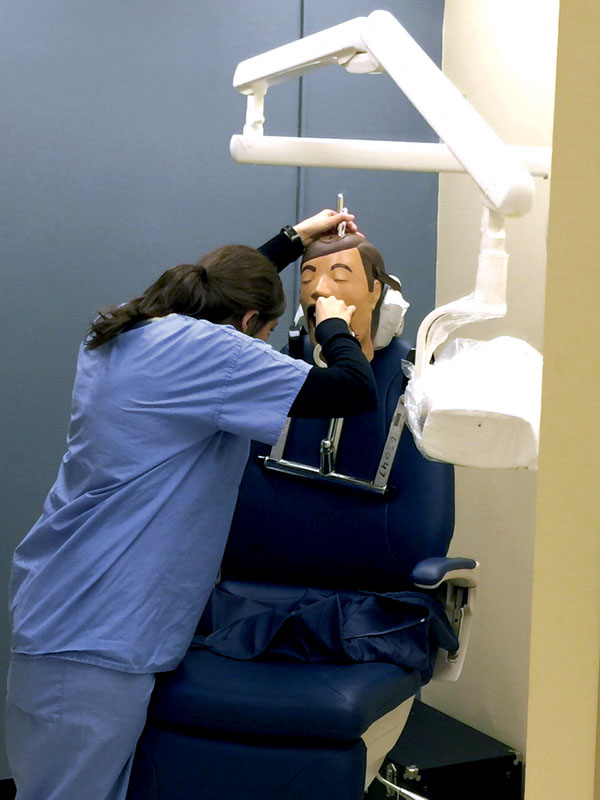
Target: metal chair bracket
328	456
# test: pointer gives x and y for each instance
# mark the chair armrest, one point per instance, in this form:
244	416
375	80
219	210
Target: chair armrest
432	572
460	578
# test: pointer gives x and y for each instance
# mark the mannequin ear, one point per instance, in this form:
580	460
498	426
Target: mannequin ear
376	293
247	319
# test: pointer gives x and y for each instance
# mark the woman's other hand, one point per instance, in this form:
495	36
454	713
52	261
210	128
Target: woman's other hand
332	308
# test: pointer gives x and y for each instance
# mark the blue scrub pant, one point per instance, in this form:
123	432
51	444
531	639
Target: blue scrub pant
72	728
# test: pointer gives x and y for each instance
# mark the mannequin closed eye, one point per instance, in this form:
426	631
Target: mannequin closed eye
339	272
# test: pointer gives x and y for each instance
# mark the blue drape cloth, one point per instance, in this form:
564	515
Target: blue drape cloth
404	628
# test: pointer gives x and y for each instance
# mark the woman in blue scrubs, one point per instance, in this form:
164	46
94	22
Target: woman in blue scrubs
108	586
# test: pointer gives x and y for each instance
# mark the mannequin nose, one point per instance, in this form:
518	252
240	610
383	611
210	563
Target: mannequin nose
322	289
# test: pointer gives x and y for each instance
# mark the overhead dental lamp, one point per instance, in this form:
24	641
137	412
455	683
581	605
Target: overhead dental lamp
453	431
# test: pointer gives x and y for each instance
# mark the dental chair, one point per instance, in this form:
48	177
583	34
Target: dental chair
336	508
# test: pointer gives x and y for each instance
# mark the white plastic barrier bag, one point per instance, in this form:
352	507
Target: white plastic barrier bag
479	404
391	316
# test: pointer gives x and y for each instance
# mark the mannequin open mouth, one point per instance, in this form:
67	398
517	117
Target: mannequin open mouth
311	320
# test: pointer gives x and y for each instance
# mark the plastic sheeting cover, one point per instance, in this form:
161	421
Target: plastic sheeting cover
479	404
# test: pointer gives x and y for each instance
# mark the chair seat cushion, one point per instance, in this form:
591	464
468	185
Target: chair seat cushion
284	699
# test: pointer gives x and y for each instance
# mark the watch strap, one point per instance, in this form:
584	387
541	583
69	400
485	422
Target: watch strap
292	234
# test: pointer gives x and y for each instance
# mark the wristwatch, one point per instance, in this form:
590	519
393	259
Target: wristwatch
292	235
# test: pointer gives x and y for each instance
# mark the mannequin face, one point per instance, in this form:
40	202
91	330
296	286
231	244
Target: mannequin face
340	274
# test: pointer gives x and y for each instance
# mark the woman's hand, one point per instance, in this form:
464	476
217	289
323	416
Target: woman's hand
332	308
324	222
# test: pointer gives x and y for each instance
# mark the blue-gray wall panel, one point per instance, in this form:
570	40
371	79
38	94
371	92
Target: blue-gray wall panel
115	165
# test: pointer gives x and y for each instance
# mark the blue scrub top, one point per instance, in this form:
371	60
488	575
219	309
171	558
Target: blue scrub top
119	567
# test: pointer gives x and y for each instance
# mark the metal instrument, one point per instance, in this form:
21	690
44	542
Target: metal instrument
340	208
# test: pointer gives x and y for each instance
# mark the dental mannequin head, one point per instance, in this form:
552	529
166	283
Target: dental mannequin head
351	269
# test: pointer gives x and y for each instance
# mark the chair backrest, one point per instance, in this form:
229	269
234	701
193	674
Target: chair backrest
298	531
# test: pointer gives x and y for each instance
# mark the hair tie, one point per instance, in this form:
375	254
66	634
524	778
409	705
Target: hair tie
203	273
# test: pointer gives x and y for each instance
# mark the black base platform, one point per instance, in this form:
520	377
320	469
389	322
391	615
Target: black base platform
443	759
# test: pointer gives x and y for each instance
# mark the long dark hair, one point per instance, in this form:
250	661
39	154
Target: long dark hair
220	288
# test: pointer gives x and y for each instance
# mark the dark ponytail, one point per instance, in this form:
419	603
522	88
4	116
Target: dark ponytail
220	288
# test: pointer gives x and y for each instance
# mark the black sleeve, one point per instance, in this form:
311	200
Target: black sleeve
346	387
281	251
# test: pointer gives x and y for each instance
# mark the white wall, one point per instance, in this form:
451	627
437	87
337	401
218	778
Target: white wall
502	56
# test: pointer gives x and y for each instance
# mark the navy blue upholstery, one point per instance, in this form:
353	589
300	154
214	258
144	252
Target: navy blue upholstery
433	570
175	765
291	730
263	700
325	535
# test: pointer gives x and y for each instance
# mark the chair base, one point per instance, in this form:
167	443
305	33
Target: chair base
381	736
181	765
